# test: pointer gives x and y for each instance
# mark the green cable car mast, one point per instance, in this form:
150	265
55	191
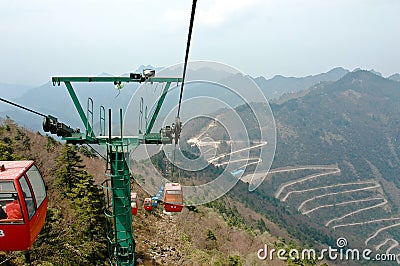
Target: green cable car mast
121	244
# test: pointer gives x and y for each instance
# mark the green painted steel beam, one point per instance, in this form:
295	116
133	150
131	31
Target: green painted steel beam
80	138
158	107
59	80
78	106
132	141
120	183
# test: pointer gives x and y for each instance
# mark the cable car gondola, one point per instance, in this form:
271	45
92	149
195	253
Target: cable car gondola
148	206
154	201
23	204
134	203
173	197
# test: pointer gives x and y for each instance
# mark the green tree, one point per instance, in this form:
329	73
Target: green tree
235	260
86	202
69	166
51	143
211	235
90	153
6	153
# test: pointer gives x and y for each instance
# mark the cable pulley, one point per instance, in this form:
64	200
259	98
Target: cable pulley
51	124
176	129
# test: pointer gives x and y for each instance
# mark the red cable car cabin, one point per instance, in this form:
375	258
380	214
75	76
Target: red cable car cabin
148	205
134	206
173	197
23	204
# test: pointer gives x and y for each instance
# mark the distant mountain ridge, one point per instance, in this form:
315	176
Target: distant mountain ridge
278	85
350	126
357	101
395	77
47	99
352	123
12	91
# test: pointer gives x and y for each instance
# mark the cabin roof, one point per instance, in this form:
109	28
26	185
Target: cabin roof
173	186
13	169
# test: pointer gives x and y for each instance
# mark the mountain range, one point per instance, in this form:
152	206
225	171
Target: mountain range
335	169
54	100
336	163
278	85
12	91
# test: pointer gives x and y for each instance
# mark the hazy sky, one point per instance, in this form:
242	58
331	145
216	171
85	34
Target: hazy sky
42	38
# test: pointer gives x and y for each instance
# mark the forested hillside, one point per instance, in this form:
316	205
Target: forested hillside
353	125
334	174
356	119
74	222
74	229
337	159
336	165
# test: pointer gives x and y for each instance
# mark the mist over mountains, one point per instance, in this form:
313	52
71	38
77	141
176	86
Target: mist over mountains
12	91
54	100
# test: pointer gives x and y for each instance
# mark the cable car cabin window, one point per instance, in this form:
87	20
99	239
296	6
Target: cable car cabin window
30	204
7	186
39	189
10	207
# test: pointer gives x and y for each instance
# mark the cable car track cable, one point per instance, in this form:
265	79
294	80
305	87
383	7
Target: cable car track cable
187	52
22	107
183	79
50	123
104	158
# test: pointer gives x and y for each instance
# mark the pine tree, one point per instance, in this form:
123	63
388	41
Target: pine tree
6	152
70	164
86	202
